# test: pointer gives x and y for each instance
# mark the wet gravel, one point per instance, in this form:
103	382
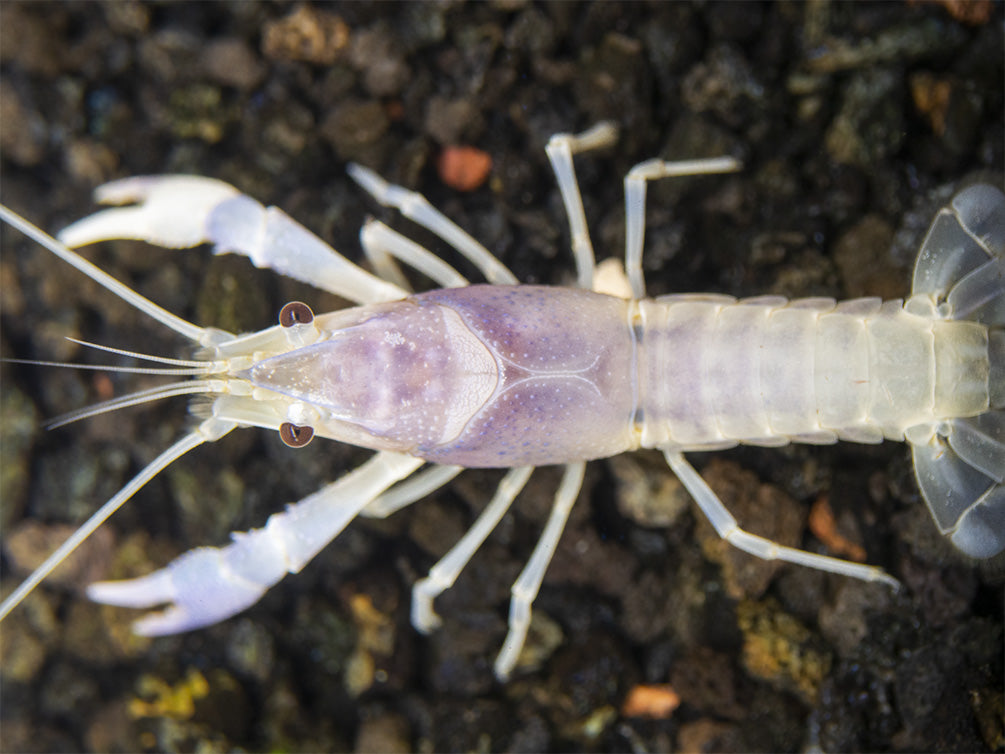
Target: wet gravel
854	122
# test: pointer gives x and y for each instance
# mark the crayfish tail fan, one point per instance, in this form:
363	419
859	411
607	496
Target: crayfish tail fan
961	466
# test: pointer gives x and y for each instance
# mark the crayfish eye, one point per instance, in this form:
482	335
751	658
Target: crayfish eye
293	435
295	313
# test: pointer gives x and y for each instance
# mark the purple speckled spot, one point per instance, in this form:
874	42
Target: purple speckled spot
490	376
565	392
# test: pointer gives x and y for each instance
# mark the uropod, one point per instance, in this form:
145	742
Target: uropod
502	375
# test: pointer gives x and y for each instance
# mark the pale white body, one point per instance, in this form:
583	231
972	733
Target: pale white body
522	376
768	371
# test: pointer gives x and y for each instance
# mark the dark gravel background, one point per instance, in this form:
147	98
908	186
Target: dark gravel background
855	122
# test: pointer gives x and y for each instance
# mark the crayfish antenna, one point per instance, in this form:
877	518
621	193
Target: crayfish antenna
209	431
203	336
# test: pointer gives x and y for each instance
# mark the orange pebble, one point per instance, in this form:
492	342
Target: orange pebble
463	168
824	528
971	12
657	702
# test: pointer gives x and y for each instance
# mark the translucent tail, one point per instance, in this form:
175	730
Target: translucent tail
961	468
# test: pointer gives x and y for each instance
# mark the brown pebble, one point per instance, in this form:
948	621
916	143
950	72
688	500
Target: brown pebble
306	34
232	62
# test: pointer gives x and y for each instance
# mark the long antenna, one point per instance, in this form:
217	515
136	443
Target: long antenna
127	294
209	430
185	444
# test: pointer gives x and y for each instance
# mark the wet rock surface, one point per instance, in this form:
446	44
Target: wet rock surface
854	122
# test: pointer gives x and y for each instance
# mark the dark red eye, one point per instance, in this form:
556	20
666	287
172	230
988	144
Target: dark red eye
294	436
295	313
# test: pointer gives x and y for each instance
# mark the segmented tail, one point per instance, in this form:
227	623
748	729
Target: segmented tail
961	468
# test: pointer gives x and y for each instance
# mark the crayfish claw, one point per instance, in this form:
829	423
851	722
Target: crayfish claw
198	588
171	211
